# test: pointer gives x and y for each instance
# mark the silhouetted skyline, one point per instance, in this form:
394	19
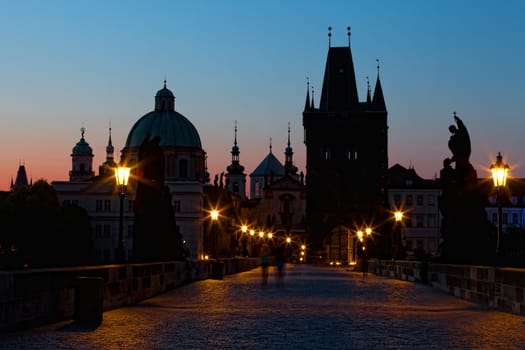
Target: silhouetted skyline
73	65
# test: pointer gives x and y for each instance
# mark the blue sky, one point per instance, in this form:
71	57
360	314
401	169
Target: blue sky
68	64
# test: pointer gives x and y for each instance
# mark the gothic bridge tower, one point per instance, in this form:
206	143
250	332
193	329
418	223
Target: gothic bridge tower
346	150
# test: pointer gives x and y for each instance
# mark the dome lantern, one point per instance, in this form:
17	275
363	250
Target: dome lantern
164	100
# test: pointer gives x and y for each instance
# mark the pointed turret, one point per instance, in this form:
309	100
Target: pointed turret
307	102
378	101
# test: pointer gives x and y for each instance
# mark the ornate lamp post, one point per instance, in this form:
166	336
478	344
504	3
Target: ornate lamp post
121	178
214	216
398	216
252	235
500	172
244	231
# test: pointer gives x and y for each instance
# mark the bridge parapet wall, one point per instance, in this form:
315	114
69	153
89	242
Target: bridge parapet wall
497	287
33	297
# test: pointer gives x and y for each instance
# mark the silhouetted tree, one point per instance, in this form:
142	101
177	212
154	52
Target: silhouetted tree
37	232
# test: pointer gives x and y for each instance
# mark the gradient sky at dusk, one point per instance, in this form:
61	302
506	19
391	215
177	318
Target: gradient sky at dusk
68	64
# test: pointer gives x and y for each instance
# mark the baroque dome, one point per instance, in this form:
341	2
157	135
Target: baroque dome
173	129
82	148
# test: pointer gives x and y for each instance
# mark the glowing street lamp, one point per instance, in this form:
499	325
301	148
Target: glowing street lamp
214	216
244	228
398	216
500	172
360	235
121	179
252	235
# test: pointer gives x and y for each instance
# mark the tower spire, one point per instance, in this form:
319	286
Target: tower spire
378	101
307	102
109	147
235	177
235	140
348	33
329	37
289	168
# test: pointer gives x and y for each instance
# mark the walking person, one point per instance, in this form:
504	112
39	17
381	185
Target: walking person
265	263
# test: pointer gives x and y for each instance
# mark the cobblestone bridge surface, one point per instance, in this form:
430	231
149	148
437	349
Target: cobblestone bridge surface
310	308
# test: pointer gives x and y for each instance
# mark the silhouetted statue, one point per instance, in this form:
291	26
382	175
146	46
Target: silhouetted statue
216	180
156	235
459	143
465	231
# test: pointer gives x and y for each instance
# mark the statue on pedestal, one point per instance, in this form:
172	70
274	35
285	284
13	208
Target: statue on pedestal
465	230
156	235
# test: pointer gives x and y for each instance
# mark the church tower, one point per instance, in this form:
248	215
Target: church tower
108	167
81	160
346	150
289	168
235	177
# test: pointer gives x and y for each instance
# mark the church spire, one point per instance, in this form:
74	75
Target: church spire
109	147
289	168
108	167
235	167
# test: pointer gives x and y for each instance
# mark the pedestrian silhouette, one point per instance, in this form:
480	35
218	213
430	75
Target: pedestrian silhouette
265	262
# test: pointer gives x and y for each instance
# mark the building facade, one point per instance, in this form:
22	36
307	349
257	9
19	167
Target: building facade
417	199
184	175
